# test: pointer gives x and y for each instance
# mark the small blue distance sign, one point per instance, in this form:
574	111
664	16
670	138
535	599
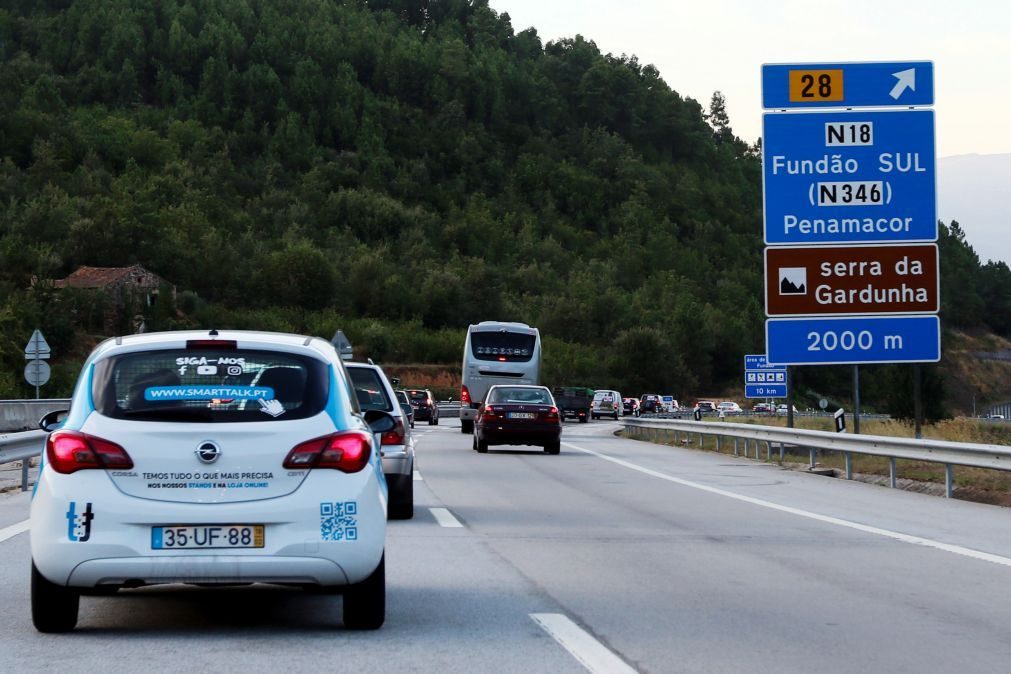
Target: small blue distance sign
765	390
847	85
763	379
849	177
853	340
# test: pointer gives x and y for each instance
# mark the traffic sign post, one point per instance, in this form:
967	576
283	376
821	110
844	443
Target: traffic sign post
857	177
37	370
762	379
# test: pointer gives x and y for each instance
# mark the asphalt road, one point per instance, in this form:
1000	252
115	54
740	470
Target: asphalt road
615	555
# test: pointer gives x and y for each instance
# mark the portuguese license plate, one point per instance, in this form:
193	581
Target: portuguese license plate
521	415
207	536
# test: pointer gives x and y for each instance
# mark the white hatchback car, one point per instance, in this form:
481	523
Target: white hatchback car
210	458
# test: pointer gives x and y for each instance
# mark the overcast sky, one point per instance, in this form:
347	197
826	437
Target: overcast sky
707	45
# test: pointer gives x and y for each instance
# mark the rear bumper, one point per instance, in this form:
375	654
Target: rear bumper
528	435
218	569
424	413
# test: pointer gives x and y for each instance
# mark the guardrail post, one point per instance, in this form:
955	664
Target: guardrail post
735	447
891	472
849	466
24	474
949	480
702	441
717	443
811	450
781	450
768	451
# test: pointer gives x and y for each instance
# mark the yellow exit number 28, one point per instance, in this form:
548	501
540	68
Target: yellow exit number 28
816	86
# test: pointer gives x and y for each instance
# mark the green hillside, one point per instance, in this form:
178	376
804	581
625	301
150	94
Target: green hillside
399	169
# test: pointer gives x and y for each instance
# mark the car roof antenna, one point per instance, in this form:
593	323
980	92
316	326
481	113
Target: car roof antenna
213	333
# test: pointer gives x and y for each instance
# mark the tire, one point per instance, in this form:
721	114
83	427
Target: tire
553	447
54	607
365	602
436	422
432	421
401	498
585	418
466	426
615	416
480	445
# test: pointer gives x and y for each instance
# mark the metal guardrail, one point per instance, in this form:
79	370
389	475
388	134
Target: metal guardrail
21	447
935	451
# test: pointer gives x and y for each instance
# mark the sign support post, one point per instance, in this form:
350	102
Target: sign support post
856	400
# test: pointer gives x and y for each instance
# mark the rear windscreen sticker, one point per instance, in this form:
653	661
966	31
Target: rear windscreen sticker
272	407
155	393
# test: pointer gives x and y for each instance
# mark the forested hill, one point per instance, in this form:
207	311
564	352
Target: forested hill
301	164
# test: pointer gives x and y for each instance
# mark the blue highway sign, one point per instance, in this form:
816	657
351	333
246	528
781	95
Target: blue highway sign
853	340
849	177
848	85
762	379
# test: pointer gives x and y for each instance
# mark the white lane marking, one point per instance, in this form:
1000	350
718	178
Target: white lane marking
445	518
417	476
13	530
894	535
591	653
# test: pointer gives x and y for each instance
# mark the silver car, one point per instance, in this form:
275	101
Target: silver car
374	392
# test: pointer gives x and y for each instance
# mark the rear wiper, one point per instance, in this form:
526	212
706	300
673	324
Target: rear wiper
181	412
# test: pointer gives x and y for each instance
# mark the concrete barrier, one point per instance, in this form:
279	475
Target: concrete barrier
24	415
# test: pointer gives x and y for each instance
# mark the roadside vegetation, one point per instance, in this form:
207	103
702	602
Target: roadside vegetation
397	169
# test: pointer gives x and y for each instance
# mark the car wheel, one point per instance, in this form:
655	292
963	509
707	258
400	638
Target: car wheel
466	426
436	422
401	498
553	447
480	445
54	607
365	602
432	421
584	419
615	416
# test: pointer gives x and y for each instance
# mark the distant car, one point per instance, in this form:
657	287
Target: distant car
606	403
705	406
729	407
405	405
211	458
996	416
374	392
784	409
518	415
630	406
650	403
425	408
764	408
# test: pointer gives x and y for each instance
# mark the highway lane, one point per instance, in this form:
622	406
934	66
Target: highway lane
665	574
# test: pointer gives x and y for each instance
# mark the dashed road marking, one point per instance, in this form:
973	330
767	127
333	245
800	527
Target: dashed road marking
445	518
13	530
828	519
588	651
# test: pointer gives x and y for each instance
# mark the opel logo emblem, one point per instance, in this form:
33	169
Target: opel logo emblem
208	452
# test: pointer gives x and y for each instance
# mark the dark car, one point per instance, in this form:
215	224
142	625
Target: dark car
630	406
424	405
650	404
406	406
518	415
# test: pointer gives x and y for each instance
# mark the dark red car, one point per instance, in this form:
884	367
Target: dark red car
424	405
518	415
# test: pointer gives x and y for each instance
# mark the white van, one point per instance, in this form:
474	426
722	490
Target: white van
606	403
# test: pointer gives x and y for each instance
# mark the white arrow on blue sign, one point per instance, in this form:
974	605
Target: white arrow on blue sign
848	85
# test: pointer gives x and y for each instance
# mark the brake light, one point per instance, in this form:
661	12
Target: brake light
464	395
489	413
347	452
395	436
552	414
229	344
70	451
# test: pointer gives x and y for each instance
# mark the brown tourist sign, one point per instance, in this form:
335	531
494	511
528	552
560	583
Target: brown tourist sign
853	280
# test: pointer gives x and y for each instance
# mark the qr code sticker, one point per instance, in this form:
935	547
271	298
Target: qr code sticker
338	521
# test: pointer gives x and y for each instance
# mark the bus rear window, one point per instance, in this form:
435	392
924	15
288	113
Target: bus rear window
502	346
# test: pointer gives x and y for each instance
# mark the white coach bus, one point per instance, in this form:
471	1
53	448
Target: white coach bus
496	353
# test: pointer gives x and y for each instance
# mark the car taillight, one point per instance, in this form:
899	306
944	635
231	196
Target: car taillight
395	436
464	395
347	452
552	414
71	451
488	412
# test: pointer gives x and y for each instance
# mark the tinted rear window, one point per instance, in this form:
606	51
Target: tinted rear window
418	395
210	386
502	345
369	389
510	394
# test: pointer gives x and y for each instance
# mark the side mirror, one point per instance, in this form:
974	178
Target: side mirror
53	420
380	421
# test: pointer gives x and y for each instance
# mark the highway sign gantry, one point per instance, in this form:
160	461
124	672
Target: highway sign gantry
762	379
847	85
849	177
858	280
